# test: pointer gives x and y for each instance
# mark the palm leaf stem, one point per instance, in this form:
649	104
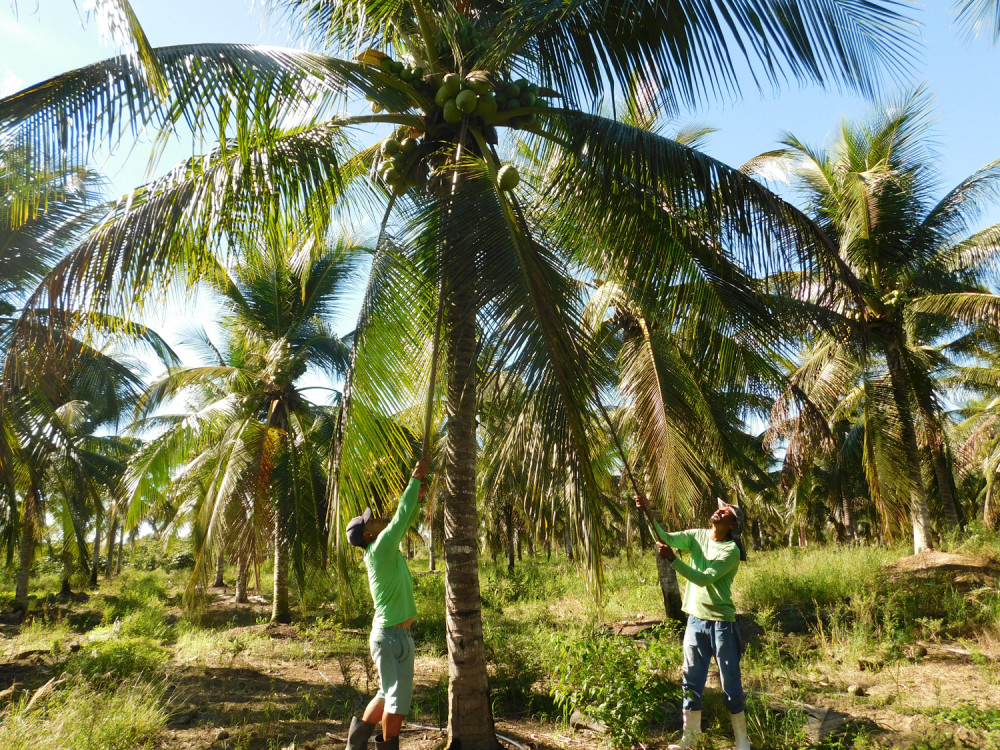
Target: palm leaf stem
340	431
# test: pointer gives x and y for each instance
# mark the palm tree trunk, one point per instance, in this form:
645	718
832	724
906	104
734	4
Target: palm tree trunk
95	553
242	574
26	547
670	589
918	496
758	537
508	518
470	719
220	568
847	511
942	469
67	570
121	549
431	562
112	533
280	611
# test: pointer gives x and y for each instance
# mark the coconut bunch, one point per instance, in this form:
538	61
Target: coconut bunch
480	98
398	163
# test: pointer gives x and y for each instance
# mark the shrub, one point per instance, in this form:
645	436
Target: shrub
619	681
135	593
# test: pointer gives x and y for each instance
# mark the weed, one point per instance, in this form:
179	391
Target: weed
619	681
969	715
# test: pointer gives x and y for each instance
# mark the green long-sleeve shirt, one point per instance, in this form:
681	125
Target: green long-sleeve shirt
708	594
389	578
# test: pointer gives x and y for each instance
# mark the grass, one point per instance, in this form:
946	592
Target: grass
804	576
83	717
547	643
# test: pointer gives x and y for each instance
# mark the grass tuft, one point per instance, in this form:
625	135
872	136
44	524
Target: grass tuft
85	718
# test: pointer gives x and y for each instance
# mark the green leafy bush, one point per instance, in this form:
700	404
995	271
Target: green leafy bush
134	592
617	680
970	715
149	622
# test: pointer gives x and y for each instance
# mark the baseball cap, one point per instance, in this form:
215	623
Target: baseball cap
356	528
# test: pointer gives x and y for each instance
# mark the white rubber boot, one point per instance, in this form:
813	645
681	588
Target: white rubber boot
740	731
692	728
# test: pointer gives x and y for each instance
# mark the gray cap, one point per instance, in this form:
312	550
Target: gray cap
356	528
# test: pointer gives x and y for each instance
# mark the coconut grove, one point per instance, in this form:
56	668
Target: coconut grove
449	393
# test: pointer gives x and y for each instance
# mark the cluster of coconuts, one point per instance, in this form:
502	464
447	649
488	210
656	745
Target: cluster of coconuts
396	164
475	95
469	39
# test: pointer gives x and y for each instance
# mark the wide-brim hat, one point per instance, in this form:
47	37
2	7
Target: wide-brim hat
356	528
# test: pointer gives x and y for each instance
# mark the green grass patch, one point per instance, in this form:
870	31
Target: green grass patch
85	718
119	659
969	715
800	576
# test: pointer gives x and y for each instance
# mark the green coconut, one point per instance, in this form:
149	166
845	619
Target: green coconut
390	146
486	107
508	177
442	96
408	145
466	100
453	83
452	113
391	174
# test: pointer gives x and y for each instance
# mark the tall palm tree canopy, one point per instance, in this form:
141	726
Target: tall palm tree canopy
247	456
916	271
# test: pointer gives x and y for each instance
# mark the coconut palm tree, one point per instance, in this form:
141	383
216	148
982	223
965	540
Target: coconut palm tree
243	457
467	72
59	386
912	271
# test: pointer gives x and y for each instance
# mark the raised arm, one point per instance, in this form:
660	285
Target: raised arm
393	534
676	539
712	573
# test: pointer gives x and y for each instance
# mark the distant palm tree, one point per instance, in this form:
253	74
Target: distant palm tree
244	456
58	388
535	67
912	272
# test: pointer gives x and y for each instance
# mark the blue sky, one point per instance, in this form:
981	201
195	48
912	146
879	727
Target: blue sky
46	37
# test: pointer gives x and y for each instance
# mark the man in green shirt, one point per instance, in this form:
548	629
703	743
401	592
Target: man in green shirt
391	588
711	628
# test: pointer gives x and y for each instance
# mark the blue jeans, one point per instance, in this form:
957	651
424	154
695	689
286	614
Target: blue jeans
704	639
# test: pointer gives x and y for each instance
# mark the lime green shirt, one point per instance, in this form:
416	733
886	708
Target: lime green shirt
708	594
389	578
